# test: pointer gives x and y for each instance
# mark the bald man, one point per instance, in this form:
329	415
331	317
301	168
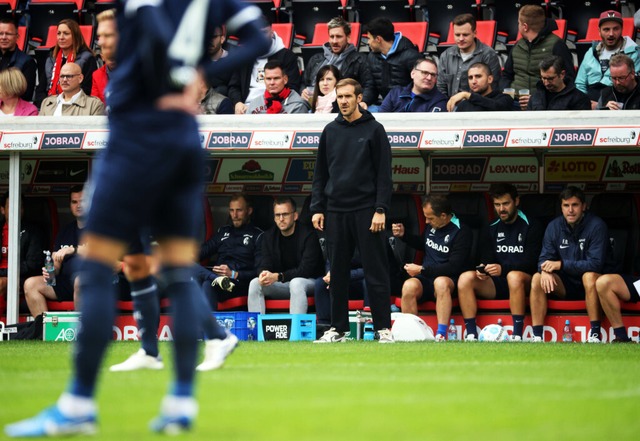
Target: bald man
72	101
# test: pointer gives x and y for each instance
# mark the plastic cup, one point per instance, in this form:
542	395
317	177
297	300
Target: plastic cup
523	92
510	91
620	105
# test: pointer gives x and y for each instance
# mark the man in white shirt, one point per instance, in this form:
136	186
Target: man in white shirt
72	101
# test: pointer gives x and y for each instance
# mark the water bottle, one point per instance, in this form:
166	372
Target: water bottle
359	325
452	332
567	333
369	333
48	266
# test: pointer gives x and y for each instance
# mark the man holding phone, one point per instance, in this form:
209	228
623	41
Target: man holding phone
446	243
510	255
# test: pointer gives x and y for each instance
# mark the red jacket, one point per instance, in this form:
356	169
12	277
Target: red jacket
100	78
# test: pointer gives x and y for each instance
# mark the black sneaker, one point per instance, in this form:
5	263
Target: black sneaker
621	340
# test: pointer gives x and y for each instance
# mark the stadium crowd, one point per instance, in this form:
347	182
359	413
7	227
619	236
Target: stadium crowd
537	74
394	74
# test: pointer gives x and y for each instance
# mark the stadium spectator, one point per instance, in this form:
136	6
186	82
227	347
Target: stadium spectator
391	58
107	34
345	56
351	191
220	81
31	246
555	90
468	50
12	56
247	83
72	100
446	243
509	254
521	70
323	99
291	261
238	248
593	73
613	289
12	87
213	102
624	94
70	48
481	97
277	97
421	95
575	251
36	289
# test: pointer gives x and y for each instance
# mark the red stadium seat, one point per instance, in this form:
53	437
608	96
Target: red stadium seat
593	31
486	31
417	32
567	305
60	306
52	36
321	35
44	13
284	31
22	37
493	305
283	304
235	303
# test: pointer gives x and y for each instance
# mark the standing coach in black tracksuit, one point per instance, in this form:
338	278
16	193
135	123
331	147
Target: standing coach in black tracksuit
350	195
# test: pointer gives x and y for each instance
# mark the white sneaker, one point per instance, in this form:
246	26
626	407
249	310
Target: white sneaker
439	338
515	338
216	352
139	360
385	336
592	338
470	337
333	336
536	339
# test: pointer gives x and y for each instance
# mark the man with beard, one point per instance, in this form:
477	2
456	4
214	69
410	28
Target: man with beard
624	93
345	56
556	90
482	97
594	74
510	253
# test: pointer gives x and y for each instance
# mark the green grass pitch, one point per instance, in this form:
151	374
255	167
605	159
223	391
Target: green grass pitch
359	391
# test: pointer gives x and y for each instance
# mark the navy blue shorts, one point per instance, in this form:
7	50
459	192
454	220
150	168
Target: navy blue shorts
573	288
63	288
150	175
628	280
502	287
428	292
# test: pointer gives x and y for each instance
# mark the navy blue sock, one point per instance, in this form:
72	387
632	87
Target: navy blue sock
442	330
98	310
470	325
209	324
537	330
518	324
621	333
595	328
144	294
183	292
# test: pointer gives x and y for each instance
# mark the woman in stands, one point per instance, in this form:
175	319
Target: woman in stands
13	85
324	92
70	48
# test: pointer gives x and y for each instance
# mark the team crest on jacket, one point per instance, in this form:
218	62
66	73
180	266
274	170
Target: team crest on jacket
446	239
